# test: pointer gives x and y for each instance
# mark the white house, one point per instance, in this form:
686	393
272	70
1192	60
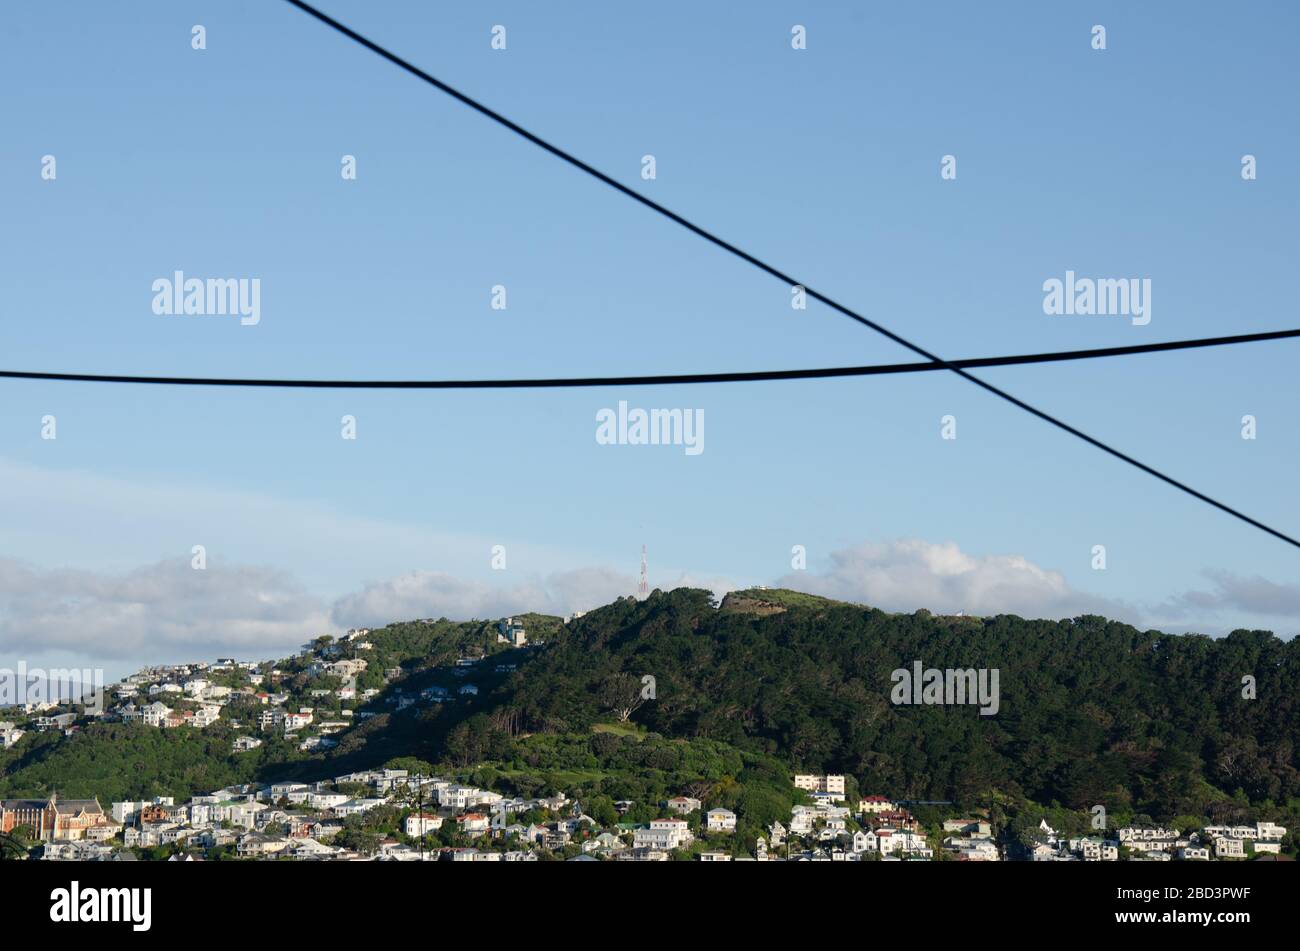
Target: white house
237	813
801	820
720	820
422	823
662	835
155	714
206	715
683	805
326	800
460	797
1269	830
257	844
355	807
897	840
1229	848
1098	850
865	841
296	721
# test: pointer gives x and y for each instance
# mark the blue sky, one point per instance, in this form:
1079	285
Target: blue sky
225	162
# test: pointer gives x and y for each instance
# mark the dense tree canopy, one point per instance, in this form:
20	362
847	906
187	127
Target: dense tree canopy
740	694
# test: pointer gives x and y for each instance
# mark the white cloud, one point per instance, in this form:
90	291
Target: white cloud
167	611
909	574
1231	592
163	611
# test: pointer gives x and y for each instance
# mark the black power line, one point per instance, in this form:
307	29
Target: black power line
744	376
774	272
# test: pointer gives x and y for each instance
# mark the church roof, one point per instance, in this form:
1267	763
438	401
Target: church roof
73	806
63	806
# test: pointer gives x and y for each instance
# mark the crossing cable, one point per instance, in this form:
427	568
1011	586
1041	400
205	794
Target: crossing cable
774	272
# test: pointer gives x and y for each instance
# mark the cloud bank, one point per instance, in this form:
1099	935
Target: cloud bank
1230	592
909	574
163	610
169	612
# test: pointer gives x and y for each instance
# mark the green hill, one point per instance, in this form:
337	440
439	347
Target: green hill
1090	711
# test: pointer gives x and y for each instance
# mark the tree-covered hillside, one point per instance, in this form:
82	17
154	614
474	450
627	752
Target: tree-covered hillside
1089	712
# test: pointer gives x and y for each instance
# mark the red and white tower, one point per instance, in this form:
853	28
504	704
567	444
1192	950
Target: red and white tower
643	589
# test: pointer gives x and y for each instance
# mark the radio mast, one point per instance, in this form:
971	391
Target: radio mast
643	589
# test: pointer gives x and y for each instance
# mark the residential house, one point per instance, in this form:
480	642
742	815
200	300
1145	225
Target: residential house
683	805
155	714
422	823
663	834
978	827
258	844
9	735
873	804
720	820
1229	847
355	807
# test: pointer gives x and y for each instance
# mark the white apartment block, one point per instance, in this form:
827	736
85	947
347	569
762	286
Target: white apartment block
831	787
1135	834
419	824
873	804
1269	830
